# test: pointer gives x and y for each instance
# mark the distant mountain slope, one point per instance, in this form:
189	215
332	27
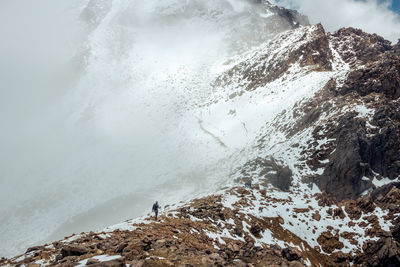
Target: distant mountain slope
307	120
312	120
106	106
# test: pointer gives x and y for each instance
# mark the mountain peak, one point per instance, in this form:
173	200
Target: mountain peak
279	139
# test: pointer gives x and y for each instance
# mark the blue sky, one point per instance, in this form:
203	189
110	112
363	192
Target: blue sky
396	6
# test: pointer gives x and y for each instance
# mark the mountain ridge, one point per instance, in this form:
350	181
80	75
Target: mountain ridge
322	179
304	128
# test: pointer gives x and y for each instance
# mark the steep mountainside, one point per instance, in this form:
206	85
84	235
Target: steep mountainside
129	98
311	120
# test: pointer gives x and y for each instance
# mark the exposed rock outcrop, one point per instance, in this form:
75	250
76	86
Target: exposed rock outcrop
307	49
362	117
232	229
73	250
270	170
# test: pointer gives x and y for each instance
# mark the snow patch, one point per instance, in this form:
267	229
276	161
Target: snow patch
383	181
101	258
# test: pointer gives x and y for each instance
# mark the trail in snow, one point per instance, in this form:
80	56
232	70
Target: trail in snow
216	138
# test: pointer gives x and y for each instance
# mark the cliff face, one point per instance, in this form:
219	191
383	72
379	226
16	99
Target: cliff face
366	146
317	183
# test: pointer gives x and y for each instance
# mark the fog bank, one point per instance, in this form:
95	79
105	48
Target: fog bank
100	104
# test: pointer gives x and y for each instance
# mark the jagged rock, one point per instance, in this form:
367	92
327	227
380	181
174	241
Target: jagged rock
396	232
376	231
34	249
340	257
324	200
315	54
329	242
57	244
386	194
366	204
337	212
121	247
58	257
353	210
388	197
272	170
358	151
293	16
393	196
238	231
379	77
73	250
371	218
27	259
255	230
384	252
364	47
344	170
291	254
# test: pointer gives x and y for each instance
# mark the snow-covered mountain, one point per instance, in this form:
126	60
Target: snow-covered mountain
114	113
195	99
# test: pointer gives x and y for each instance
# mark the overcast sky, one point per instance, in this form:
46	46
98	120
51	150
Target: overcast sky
372	16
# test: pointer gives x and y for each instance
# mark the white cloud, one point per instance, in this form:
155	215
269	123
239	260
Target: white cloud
371	16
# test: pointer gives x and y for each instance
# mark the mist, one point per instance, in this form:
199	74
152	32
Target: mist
372	16
100	103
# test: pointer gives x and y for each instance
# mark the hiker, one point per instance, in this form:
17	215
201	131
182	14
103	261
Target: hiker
155	209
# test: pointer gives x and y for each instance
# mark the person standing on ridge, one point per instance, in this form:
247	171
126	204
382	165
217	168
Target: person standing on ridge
155	209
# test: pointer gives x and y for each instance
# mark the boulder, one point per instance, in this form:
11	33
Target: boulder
316	216
291	254
73	250
329	242
34	249
121	247
255	230
238	231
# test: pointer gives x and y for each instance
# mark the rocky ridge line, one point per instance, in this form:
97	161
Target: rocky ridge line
353	155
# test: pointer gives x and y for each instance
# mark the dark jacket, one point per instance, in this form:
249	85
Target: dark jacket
155	207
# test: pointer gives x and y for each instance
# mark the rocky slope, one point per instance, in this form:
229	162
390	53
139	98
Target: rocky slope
315	178
130	87
258	226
